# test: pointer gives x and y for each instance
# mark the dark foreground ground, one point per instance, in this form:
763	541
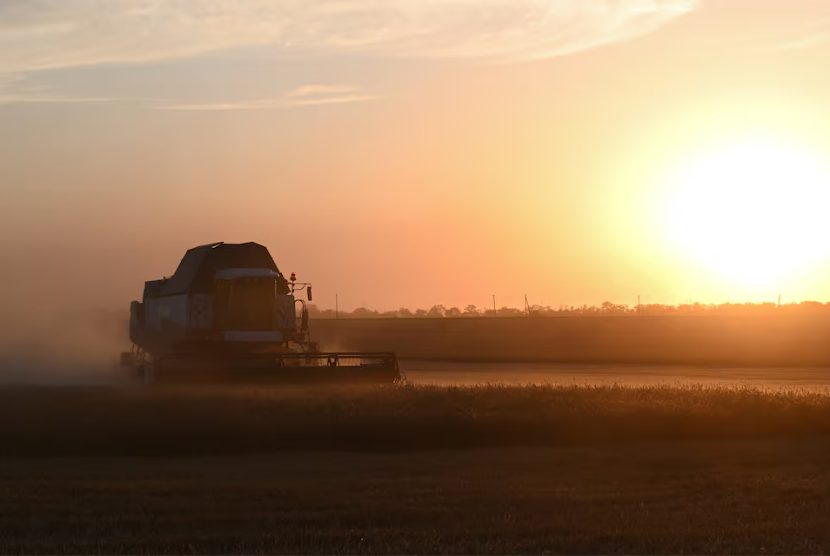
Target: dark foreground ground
415	469
750	497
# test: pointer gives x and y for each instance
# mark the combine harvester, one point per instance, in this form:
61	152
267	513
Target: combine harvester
229	315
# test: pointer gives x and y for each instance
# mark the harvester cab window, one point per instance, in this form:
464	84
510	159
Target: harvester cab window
251	303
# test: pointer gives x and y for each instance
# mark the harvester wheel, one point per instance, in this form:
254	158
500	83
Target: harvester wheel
148	373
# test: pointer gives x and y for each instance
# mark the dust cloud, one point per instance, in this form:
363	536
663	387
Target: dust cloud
67	348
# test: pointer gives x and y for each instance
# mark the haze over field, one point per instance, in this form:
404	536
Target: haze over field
406	153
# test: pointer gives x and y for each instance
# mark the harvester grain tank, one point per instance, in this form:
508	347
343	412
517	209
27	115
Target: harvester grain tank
228	313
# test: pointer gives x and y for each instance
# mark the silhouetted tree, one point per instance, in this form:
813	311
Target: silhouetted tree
471	311
510	312
606	309
437	311
363	313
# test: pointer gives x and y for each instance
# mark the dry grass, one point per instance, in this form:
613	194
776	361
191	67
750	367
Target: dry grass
126	422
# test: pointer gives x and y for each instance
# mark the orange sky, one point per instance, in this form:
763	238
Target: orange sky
397	154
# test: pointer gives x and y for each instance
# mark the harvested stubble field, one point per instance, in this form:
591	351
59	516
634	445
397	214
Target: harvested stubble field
415	469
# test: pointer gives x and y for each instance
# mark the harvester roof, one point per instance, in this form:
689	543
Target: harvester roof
198	268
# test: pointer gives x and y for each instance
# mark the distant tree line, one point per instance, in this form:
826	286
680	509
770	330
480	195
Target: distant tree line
607	309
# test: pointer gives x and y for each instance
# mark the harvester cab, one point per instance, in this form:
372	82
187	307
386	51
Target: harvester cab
228	313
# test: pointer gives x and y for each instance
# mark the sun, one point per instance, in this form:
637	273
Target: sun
754	211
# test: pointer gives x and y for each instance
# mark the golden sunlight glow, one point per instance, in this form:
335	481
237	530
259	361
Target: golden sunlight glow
754	211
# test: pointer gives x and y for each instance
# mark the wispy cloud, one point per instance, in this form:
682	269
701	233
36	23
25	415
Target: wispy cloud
51	34
811	34
30	98
42	35
312	91
313	95
15	88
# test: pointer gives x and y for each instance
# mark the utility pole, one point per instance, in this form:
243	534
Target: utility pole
336	307
495	314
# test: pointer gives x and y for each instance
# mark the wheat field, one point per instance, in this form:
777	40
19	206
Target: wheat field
169	422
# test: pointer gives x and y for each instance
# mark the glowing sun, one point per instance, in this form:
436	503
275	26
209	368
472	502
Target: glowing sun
754	211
